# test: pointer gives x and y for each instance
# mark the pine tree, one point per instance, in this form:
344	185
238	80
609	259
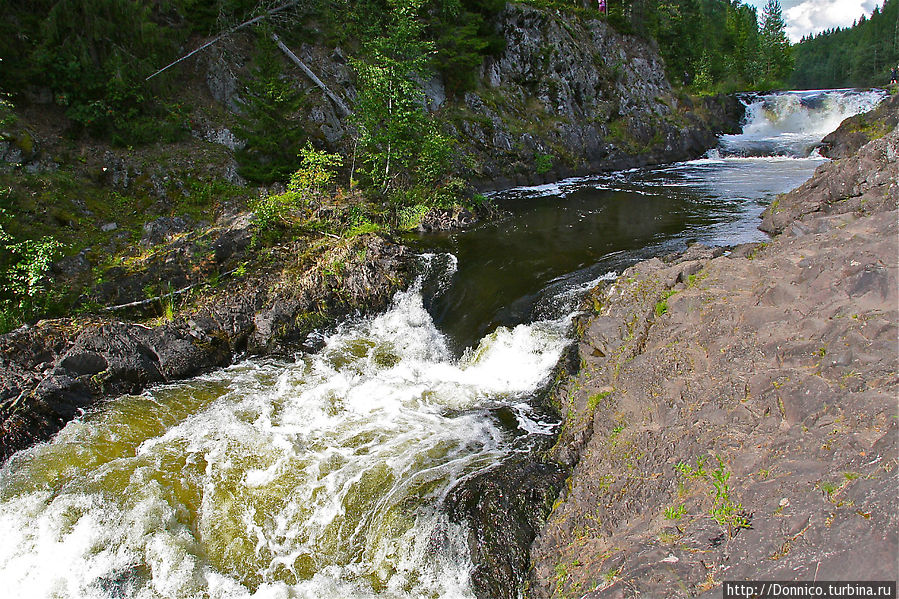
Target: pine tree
777	56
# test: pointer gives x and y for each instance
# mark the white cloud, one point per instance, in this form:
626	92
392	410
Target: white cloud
803	17
813	16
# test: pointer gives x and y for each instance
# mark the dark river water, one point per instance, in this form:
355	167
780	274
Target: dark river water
323	477
555	240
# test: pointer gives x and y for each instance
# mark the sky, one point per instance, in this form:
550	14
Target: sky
812	16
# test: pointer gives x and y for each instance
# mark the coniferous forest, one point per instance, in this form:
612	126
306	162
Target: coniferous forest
858	56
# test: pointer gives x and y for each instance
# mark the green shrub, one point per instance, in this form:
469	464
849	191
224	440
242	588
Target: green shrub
543	163
25	290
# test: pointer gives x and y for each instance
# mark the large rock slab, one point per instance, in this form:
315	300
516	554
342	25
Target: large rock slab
735	417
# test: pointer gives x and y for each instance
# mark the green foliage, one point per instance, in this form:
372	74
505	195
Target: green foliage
725	510
210	16
405	157
410	217
273	210
859	56
25	290
543	163
675	513
302	201
661	307
317	171
594	399
266	124
95	55
708	63
699	472
7	115
463	34
389	111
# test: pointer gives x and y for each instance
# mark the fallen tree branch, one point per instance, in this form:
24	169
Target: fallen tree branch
225	34
331	95
147	302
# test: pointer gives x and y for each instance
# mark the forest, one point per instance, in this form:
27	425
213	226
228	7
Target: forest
96	54
857	56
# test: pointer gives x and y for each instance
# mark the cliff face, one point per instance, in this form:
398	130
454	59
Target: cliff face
568	95
571	95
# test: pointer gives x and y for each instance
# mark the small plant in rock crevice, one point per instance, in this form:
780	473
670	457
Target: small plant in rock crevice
725	510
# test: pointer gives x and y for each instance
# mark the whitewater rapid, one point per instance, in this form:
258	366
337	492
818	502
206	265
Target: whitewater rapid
323	477
319	478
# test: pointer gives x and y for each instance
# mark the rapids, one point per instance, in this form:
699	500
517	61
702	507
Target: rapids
324	476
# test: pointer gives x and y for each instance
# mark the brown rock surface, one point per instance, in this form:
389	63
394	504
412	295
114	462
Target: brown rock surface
735	417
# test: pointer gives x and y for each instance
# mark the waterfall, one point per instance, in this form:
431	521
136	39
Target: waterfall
320	478
791	124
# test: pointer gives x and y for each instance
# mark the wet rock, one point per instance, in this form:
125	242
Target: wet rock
504	508
53	370
858	130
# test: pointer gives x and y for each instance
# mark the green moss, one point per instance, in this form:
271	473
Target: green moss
594	399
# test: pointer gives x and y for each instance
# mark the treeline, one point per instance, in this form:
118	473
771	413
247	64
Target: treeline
857	56
711	45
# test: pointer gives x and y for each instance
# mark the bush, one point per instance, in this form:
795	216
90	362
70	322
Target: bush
25	291
543	163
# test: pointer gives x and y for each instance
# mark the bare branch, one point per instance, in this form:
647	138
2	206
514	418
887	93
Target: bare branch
225	34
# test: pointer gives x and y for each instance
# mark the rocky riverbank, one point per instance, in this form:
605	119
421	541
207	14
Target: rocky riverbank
51	371
734	415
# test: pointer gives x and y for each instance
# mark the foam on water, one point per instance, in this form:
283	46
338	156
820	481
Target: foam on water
792	123
320	478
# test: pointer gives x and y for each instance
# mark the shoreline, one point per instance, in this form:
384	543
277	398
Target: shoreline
51	371
772	368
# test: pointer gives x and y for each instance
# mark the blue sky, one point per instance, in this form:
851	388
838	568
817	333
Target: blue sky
811	16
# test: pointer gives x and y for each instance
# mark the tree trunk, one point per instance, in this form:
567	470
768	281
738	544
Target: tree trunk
333	97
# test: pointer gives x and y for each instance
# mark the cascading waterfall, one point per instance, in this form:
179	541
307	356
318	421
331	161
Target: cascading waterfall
793	123
321	478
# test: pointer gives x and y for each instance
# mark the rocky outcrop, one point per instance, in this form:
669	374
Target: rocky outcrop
734	416
570	95
51	371
865	183
567	96
858	130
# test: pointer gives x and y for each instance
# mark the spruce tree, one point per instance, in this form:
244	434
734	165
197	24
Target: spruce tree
273	138
777	55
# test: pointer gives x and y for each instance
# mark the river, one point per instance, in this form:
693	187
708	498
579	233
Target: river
323	477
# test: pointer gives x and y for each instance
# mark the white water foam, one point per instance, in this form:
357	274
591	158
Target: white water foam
313	479
792	123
